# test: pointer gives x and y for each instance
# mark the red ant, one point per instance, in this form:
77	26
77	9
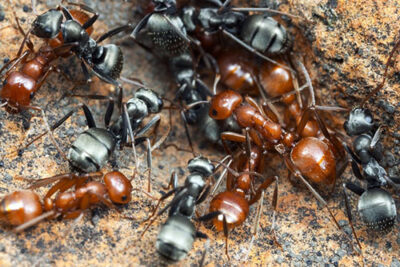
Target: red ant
316	153
24	209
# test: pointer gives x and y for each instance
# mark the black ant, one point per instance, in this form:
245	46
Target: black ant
177	234
375	205
92	148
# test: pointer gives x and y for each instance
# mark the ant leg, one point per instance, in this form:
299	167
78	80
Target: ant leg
89	117
348	209
204	88
172	182
206	247
14	62
133	81
90	21
86	72
279	98
212	215
355	188
149	126
219	180
185	124
26	37
380	86
181	191
264	9
275	205
203	196
109	112
53	127
126	126
48	130
63	185
261	189
113	32
149	164
375	138
292	168
231	136
162	139
49	180
226	234
34	221
33	4
268	107
252	50
140	26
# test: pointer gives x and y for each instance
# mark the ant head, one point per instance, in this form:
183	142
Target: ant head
165	5
48	24
360	121
201	165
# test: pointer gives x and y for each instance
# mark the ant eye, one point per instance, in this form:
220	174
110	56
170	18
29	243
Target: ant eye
31	95
214	112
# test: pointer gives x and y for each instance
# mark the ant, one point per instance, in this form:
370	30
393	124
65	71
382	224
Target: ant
375	205
319	157
230	208
176	236
260	34
62	39
92	148
162	32
24	209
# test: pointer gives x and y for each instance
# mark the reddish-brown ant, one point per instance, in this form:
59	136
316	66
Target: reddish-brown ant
24	209
231	207
318	156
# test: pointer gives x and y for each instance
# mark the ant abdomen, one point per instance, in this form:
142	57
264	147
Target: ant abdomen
315	159
377	209
20	207
233	206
